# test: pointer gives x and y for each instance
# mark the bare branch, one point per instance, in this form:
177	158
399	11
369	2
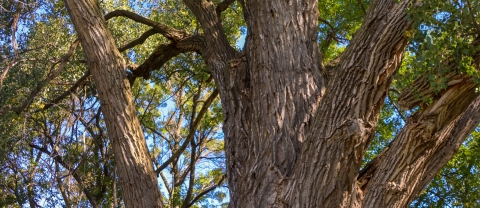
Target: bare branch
139	40
16	17
165	181
165	52
206	191
169	32
14	24
363	7
54	155
328	24
190	135
72	89
5	71
193	147
191	181
222	6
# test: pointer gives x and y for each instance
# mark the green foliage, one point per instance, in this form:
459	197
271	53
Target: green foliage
338	22
443	41
457	185
389	124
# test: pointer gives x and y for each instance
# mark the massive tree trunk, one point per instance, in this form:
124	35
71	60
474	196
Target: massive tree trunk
294	138
132	160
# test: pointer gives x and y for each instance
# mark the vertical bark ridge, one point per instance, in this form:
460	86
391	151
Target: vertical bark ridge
347	115
136	176
426	143
275	88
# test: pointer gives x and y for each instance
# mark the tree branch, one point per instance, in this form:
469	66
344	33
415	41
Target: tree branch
72	89
474	19
191	181
426	143
222	6
206	191
395	105
363	7
14	25
139	40
54	155
190	135
169	32
165	52
218	47
54	73
328	24
347	114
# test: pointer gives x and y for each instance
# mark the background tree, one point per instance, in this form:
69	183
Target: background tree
328	103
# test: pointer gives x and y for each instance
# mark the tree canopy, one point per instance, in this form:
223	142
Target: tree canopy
55	148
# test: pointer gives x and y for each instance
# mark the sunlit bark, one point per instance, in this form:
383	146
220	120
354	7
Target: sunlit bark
133	164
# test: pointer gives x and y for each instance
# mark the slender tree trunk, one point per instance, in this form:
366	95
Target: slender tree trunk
133	164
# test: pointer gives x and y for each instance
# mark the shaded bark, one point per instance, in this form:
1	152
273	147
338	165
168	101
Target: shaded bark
133	164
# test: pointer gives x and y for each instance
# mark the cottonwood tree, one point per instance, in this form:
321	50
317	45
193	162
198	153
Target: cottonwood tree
293	137
299	112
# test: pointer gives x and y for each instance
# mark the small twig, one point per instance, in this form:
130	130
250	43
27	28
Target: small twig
363	7
206	191
475	24
54	73
190	135
395	105
222	6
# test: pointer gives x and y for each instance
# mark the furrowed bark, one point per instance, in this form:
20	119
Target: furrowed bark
273	89
426	143
136	176
325	175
